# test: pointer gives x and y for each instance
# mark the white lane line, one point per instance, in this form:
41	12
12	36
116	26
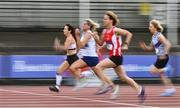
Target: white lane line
76	98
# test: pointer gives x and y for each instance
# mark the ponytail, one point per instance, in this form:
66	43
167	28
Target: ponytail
157	25
93	25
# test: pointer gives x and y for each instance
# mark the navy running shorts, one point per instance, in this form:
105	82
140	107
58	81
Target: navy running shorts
90	61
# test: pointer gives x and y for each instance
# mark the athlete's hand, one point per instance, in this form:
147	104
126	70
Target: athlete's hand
56	43
142	45
77	33
125	47
95	35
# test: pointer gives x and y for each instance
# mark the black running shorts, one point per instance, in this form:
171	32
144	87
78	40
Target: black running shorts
161	63
118	60
72	58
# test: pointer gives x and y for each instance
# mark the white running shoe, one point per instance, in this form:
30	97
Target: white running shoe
104	89
80	84
169	92
115	92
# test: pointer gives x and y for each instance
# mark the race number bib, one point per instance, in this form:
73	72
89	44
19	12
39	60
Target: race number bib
109	46
157	51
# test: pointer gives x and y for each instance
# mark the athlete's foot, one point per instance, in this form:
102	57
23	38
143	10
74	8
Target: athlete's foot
54	88
102	86
115	92
169	92
104	89
142	95
79	85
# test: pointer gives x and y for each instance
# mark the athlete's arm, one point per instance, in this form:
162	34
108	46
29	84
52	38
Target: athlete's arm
77	34
166	43
123	32
83	42
145	47
59	46
56	43
99	40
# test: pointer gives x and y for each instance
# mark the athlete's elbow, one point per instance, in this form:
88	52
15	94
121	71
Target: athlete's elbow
81	45
169	44
100	44
130	35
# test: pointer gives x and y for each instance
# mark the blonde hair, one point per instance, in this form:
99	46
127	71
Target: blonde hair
93	25
112	16
157	25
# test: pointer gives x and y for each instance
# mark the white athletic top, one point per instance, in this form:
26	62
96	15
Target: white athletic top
72	46
90	48
79	54
159	47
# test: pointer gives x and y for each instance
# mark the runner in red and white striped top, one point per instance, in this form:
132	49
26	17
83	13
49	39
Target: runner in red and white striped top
111	37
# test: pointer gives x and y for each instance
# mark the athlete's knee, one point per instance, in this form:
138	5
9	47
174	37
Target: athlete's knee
95	70
124	78
153	70
98	67
72	68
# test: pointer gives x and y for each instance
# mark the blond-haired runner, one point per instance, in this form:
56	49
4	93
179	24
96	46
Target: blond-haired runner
87	45
162	47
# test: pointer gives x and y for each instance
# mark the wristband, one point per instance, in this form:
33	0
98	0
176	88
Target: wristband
126	43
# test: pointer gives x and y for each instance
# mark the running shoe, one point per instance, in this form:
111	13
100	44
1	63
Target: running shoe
102	86
115	92
54	88
142	96
169	92
80	84
104	89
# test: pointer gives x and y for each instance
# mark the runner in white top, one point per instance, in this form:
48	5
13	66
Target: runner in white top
89	50
87	45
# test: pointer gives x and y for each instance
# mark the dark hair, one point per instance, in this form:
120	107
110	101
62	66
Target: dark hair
71	28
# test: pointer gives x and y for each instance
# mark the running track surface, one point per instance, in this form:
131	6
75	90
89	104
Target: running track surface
41	97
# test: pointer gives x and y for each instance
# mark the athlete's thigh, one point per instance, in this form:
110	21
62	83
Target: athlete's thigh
155	70
78	64
63	67
106	63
